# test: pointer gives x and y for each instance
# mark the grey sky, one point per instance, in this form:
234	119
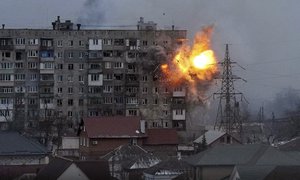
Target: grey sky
263	33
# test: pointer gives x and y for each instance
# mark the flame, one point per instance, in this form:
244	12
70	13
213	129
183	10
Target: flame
196	64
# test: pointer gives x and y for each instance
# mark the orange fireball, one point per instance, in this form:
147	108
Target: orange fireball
194	64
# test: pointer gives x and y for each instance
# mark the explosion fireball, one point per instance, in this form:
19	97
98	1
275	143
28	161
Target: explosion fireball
193	65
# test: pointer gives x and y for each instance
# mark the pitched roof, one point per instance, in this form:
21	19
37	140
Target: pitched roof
210	136
161	137
113	126
171	166
54	169
92	169
242	154
12	143
284	172
132	157
292	145
251	172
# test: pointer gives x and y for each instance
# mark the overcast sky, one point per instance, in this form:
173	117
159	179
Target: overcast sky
264	34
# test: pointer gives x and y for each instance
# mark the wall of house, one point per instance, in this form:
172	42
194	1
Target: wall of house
23	160
94	148
74	173
225	139
213	172
168	150
70	142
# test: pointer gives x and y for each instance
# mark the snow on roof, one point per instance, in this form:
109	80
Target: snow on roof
210	136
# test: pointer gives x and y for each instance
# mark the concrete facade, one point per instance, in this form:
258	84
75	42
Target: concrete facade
84	73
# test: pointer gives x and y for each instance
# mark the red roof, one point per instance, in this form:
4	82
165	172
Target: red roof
112	127
161	137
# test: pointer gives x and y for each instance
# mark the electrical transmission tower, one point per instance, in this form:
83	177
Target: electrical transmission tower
228	115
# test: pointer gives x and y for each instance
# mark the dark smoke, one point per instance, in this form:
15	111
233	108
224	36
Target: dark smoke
92	13
156	56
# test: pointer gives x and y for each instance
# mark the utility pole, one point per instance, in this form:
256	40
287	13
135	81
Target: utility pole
228	116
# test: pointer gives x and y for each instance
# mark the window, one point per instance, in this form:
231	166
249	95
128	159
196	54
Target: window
19	65
6	90
145	101
144	90
108	100
145	43
80	78
107	53
81	66
33	41
59	43
132	112
19	77
131	100
6	65
107	76
81	90
70	43
70	90
107	41
20	41
118	88
32	65
48	65
70	66
165	101
60	66
95	77
59	90
118	65
145	78
80	43
71	55
165	112
107	65
155	89
107	89
59	102
119	42
5	77
81	54
70	102
33	89
70	113
59	54
33	77
33	53
155	101
179	111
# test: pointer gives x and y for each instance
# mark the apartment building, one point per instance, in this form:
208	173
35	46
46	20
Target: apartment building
72	72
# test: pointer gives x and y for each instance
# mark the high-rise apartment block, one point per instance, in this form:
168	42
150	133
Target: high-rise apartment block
75	72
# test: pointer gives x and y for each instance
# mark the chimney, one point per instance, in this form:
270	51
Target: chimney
53	25
173	27
78	26
142	123
3	25
58	18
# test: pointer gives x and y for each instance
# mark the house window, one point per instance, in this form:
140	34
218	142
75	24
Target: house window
70	66
179	112
81	66
70	90
59	43
80	43
70	102
71	55
70	43
70	113
59	102
80	78
70	78
20	41
107	65
59	54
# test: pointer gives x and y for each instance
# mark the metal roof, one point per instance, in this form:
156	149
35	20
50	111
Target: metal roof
12	143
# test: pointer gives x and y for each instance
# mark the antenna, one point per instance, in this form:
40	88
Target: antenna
228	115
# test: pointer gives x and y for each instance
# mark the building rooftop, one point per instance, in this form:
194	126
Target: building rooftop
12	143
113	126
250	154
161	137
210	136
292	145
92	169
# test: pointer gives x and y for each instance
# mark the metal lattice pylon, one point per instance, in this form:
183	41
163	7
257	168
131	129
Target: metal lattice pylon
228	116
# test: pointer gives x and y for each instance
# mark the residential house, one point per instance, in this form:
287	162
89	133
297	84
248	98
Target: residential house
61	168
219	161
129	161
69	147
16	149
214	138
161	142
20	155
100	135
169	169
